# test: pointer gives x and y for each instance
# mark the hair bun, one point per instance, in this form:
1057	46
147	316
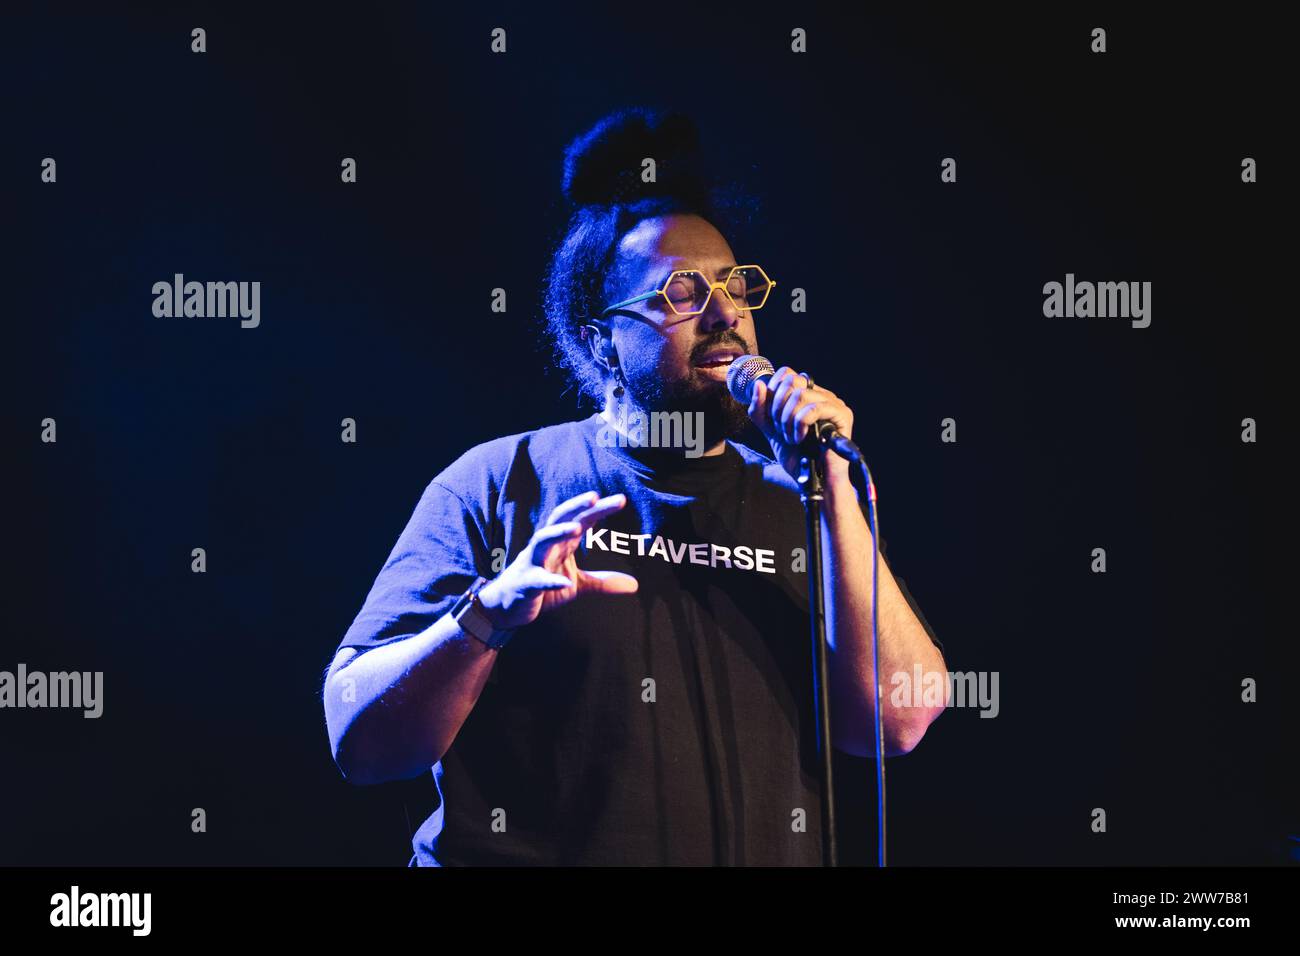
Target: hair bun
603	165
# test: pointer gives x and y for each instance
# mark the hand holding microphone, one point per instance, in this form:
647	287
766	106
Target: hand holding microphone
797	417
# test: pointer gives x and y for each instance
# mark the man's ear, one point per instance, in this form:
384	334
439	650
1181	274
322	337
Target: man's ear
600	342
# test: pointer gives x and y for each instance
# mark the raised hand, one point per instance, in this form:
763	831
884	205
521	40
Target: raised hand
545	574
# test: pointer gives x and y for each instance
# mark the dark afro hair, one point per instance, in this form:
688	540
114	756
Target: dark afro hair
603	187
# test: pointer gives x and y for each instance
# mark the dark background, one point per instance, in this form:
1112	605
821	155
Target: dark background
1119	690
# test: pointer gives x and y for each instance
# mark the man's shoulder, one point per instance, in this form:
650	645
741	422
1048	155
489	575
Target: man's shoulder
493	459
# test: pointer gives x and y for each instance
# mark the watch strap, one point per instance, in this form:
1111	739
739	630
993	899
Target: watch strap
468	613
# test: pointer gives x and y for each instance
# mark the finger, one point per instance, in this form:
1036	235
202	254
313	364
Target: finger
784	400
600	510
608	582
804	416
775	386
542	580
758	406
832	410
544	539
784	408
570	508
787	376
791	379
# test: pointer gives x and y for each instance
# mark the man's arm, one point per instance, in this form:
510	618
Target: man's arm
846	554
394	710
784	408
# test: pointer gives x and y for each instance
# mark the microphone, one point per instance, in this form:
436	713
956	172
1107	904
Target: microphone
748	369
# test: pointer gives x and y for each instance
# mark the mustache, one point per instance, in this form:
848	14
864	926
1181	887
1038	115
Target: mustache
723	339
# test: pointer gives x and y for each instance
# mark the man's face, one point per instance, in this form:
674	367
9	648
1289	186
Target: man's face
674	362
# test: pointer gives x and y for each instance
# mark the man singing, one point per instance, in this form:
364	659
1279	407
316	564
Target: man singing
634	687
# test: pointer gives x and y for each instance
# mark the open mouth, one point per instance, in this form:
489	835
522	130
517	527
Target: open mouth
722	359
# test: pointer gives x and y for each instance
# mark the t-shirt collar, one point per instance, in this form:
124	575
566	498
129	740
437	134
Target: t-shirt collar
653	462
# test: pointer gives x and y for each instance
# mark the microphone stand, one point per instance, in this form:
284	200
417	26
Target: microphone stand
812	495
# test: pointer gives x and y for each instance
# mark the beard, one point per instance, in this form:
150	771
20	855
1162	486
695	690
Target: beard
723	416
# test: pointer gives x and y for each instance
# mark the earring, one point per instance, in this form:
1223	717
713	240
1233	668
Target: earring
618	386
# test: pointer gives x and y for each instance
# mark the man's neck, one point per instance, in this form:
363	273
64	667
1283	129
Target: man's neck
618	413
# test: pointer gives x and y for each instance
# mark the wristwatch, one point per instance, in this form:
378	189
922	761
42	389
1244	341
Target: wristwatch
468	613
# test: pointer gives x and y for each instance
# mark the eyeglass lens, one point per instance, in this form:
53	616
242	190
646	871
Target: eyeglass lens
688	290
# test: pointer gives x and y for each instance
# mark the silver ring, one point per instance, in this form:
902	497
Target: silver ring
809	378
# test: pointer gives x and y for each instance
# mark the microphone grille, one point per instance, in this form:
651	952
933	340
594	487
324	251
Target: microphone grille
743	373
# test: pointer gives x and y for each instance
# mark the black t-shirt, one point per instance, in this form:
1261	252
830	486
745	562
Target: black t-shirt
669	727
